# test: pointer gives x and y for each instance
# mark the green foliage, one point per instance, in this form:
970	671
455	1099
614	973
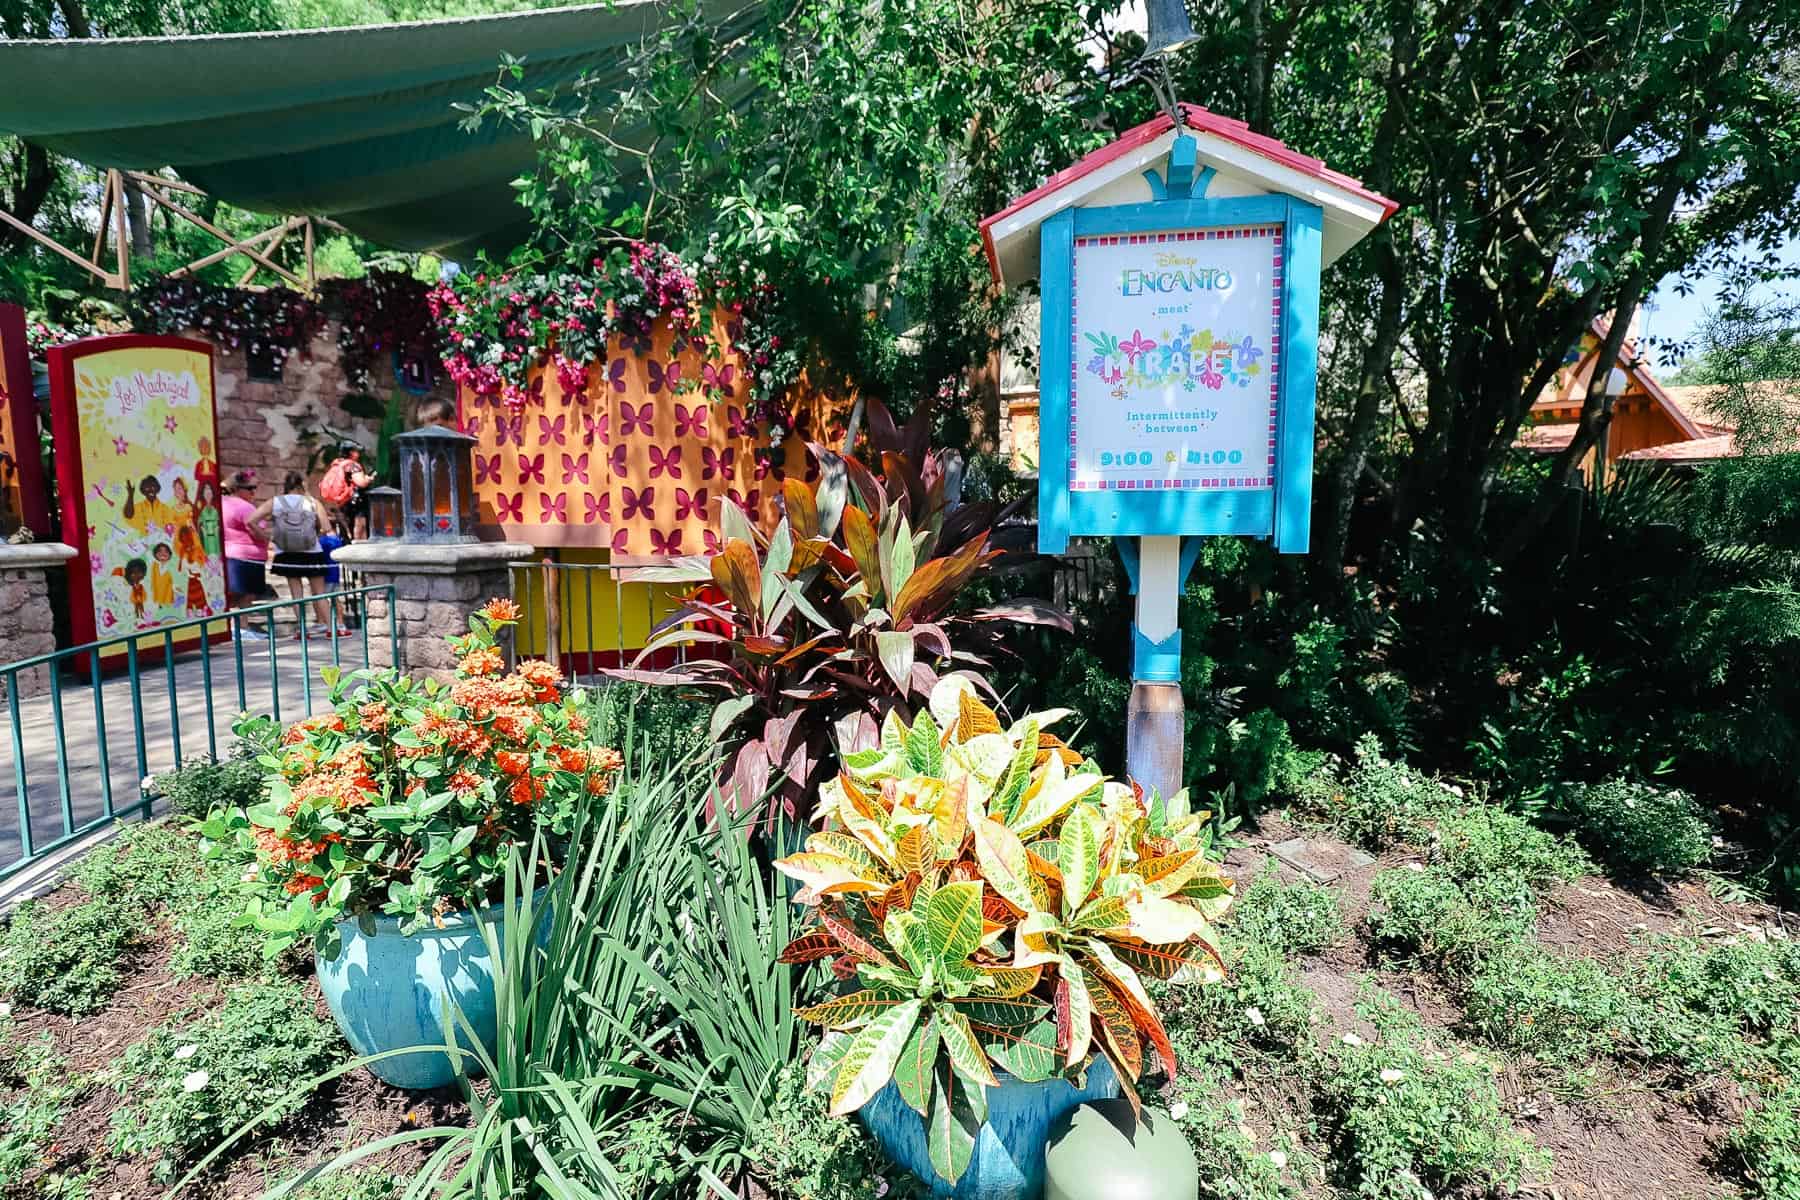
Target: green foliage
1431	915
648	1151
1562	1008
1640	828
67	960
1291	919
1766	1146
216	942
197	1077
1412	1118
146	865
1479	841
1706	1005
202	786
37	1092
1378	802
353	1185
1258	1008
651	724
1231	1167
799	1151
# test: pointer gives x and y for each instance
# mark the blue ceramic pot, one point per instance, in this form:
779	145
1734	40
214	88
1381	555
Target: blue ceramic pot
388	990
1008	1163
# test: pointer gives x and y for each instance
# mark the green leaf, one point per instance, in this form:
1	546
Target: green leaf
869	1062
1018	774
1104	912
1078	856
954	1125
1004	863
953	921
965	1053
1029	1056
846	1012
924	751
912	1074
897	561
1017	1012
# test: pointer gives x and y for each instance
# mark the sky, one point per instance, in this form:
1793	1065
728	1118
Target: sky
1674	317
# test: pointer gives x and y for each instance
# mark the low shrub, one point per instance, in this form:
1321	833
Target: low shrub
1231	1167
352	1185
801	1152
203	785
1411	1119
652	724
1481	840
1430	915
648	1152
1296	918
36	1091
1766	1146
215	942
1640	828
1257	1006
195	1079
1704	1006
1561	1008
1377	803
146	865
67	961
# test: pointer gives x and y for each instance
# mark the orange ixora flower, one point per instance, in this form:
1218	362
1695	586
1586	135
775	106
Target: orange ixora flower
465	782
500	609
527	788
374	716
483	660
542	677
512	762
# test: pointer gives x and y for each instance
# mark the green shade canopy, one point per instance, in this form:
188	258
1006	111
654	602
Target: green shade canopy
351	124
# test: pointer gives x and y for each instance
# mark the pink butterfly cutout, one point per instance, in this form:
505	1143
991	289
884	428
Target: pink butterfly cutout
551	431
473	427
690	424
748	503
665	460
511	508
665	543
661	376
509	427
713	545
621	541
596	508
531	469
556	507
687	506
739	423
719	379
618	459
615	374
643	419
573	467
638	504
487	468
717	463
595	427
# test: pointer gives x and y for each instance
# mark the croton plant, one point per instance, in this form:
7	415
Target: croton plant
998	904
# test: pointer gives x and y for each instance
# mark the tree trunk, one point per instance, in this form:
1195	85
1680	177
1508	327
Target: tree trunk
137	216
35	182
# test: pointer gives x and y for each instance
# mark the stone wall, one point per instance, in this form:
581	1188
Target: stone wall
29	627
273	426
435	590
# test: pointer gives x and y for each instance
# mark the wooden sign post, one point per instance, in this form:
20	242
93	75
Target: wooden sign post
1179	274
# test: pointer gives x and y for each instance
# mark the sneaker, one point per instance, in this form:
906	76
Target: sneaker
250	635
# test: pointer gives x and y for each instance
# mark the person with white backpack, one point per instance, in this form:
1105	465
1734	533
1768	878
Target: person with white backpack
292	521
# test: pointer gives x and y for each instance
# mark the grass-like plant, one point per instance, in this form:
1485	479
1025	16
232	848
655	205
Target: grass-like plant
1002	904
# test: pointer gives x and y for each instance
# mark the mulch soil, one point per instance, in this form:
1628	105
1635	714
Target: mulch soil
350	1111
1626	1136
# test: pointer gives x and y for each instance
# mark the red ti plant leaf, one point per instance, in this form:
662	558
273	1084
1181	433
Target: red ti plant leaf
802	511
739	576
865	549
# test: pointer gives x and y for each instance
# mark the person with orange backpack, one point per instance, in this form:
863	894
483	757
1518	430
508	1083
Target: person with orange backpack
346	486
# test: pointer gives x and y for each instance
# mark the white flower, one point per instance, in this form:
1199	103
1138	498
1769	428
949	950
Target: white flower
193	1081
1178	1110
1279	1159
1391	1075
147	784
1350	1039
187	1051
1254	1016
5	1011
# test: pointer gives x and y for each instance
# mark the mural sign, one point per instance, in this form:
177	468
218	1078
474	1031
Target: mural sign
22	500
139	482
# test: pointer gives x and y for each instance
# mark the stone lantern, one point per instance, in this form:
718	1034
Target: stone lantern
385	521
437	497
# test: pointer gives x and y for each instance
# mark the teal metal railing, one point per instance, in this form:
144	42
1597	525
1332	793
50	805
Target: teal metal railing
67	749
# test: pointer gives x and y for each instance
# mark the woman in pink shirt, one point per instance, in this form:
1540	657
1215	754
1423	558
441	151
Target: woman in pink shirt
246	549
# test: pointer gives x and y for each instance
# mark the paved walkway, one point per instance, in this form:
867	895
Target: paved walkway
181	716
